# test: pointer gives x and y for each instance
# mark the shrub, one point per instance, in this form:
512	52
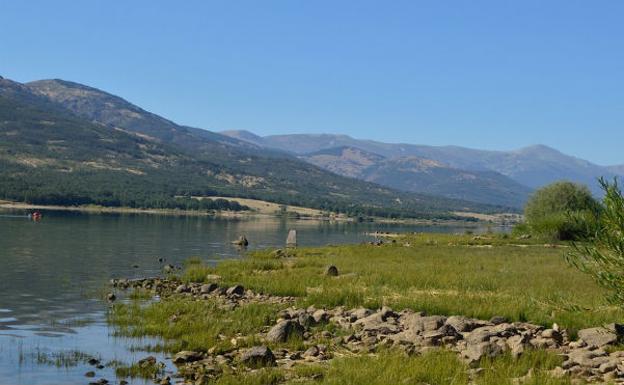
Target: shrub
562	211
603	255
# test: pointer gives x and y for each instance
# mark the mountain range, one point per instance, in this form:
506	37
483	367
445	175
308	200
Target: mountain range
67	143
498	177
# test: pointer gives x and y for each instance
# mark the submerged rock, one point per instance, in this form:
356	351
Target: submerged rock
186	356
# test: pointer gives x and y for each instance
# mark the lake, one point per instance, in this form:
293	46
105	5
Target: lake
54	273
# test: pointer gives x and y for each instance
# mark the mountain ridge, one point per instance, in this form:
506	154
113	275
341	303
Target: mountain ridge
532	166
65	142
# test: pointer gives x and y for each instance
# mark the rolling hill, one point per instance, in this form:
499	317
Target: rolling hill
66	143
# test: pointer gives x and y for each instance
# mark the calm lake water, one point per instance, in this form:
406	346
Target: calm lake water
54	272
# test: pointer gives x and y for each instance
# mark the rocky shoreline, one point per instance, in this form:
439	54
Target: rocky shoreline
593	357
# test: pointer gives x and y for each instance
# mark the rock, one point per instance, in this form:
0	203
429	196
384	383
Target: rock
361	313
165	381
601	336
186	356
235	290
208	288
167	269
241	241
320	316
291	240
93	361
257	357
475	352
123	382
90	373
182	289
147	362
497	320
306	320
464	324
284	330
313	351
331	271
111	297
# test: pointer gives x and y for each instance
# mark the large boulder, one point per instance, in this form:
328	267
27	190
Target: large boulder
602	336
284	330
258	357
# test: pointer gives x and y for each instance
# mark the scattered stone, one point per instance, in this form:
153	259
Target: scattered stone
90	373
93	361
235	290
313	351
208	288
258	357
111	297
284	330
497	320
186	356
168	269
331	271
182	289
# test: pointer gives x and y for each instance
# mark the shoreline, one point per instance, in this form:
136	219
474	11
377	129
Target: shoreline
95	209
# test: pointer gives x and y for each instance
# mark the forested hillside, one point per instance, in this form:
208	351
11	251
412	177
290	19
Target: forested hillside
52	154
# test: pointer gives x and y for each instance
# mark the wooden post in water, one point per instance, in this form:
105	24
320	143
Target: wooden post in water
291	241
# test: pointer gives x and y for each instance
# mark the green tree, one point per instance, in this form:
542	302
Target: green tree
561	210
602	255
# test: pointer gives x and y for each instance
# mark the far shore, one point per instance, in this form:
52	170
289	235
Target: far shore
253	214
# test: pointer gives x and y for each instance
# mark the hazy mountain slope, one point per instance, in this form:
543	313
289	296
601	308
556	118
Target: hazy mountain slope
421	175
50	151
619	169
532	166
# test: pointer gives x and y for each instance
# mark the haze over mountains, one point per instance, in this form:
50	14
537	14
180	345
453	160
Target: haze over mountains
67	143
501	177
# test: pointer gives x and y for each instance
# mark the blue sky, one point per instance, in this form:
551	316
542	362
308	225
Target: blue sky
483	74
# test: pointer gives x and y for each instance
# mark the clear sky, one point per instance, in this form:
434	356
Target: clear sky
485	74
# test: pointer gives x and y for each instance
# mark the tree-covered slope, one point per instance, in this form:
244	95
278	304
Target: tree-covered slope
50	153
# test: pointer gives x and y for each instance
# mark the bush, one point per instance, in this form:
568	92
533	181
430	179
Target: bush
603	255
562	211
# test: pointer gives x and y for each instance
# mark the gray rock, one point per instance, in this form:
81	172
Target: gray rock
601	336
284	330
208	288
497	320
361	313
167	269
320	316
313	351
291	240
257	357
235	290
111	297
465	324
186	356
241	241
331	271
182	289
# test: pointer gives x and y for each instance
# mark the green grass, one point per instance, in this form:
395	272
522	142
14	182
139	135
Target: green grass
198	324
481	277
440	274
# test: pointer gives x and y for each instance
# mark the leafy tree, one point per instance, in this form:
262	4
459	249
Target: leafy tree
603	255
561	210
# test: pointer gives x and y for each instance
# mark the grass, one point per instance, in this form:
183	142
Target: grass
198	325
441	274
482	277
437	367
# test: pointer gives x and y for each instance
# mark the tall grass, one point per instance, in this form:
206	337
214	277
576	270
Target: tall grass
440	274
